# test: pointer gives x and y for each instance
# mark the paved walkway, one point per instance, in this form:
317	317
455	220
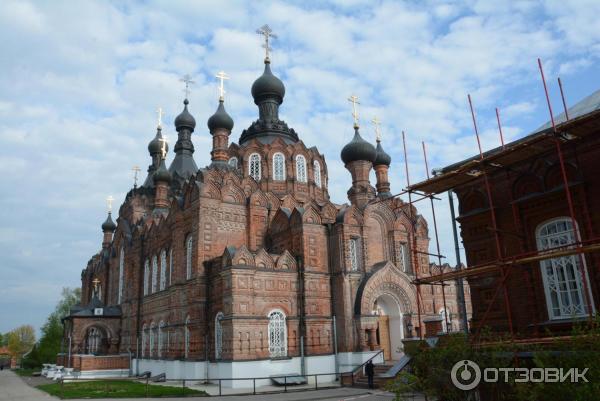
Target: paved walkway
14	388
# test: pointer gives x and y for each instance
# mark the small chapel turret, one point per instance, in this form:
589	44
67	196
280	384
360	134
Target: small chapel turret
220	125
183	165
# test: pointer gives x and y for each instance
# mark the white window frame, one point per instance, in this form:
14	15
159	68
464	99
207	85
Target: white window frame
353	254
559	293
301	175
144	339
279	167
406	259
445	315
146	276
154	273
219	336
161	339
170	265
151	342
233	162
163	269
121	274
255	167
317	173
189	251
277	334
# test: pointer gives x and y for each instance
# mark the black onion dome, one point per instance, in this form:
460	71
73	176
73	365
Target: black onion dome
162	174
109	224
358	149
382	158
220	119
155	145
185	119
268	86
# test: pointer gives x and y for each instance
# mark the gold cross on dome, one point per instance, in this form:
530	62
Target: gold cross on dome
136	170
222	77
160	113
96	282
187	79
109	202
354	100
377	123
267	32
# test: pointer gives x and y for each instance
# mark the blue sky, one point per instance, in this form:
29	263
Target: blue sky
80	83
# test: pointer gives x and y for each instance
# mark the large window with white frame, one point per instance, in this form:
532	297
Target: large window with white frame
121	274
163	269
301	168
161	338
563	277
146	276
218	336
189	242
405	255
154	273
278	167
317	173
186	337
277	334
353	254
254	168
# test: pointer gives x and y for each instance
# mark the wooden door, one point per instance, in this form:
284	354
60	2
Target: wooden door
384	337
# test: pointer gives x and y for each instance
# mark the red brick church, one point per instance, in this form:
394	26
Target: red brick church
246	267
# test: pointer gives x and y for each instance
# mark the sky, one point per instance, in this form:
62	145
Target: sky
80	83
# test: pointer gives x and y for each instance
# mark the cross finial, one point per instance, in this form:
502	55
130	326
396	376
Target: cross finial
136	170
160	113
377	123
267	32
109	202
187	79
163	147
354	100
222	77
96	282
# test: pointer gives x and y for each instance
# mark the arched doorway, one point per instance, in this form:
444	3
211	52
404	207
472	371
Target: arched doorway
390	326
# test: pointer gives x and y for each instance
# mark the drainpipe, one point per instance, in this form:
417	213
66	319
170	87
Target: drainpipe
69	353
130	358
460	293
302	366
139	306
331	301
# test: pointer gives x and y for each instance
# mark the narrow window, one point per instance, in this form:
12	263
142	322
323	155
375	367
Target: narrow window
301	168
317	167
154	273
277	334
188	257
406	261
186	337
161	340
144	339
218	335
151	348
170	264
121	274
233	162
563	276
353	254
278	167
163	269
146	276
254	168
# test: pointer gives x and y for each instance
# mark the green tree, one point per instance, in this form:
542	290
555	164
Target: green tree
21	340
49	344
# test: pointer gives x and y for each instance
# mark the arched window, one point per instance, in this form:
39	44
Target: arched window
154	273
353	254
278	167
188	256
170	265
563	276
121	274
277	334
146	276
317	167
218	335
144	339
405	255
163	269
233	162
254	169
151	347
93	340
161	339
186	337
301	168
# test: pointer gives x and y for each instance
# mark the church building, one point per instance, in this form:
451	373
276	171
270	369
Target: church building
246	267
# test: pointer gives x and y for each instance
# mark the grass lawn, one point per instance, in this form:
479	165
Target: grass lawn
26	372
114	389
